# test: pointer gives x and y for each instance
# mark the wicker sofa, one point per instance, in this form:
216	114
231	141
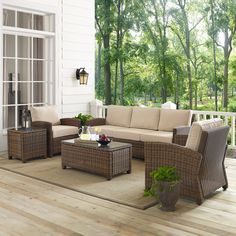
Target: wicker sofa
57	129
137	125
200	163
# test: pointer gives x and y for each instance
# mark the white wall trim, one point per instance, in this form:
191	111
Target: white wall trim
26	32
1	75
57	53
28	5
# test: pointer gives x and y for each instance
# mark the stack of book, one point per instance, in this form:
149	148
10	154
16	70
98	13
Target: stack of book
79	140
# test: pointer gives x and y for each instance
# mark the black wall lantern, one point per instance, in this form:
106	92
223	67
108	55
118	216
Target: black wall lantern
82	76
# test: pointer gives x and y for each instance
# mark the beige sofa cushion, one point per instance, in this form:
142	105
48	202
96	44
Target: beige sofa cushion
157	136
170	118
195	133
106	129
45	113
64	130
144	135
119	116
145	118
130	133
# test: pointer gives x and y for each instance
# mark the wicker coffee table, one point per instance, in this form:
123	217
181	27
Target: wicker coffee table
106	161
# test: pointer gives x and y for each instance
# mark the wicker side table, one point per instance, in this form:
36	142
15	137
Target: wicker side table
27	144
105	161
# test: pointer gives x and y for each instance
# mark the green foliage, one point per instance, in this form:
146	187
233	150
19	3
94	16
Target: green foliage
165	173
162	174
147	52
83	118
232	107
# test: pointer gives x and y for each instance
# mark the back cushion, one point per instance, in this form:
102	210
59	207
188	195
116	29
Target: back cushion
145	118
119	115
195	133
45	113
170	118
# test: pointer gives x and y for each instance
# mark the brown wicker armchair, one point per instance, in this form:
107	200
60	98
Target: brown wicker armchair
202	171
54	143
57	129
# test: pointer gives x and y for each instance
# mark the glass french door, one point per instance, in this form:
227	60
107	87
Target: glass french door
28	63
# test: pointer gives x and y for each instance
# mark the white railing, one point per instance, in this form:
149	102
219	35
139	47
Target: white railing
228	118
104	111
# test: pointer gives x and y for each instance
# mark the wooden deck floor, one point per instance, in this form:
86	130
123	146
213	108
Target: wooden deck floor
31	207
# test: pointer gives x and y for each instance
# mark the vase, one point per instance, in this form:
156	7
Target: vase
168	194
84	133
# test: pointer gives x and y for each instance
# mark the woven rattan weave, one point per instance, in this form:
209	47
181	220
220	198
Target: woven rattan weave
106	161
27	144
202	171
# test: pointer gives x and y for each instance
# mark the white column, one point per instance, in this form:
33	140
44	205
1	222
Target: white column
96	108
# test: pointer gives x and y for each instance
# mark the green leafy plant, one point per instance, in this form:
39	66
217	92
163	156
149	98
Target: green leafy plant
165	173
83	118
162	174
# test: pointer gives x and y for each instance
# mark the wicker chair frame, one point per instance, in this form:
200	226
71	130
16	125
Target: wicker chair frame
202	171
54	144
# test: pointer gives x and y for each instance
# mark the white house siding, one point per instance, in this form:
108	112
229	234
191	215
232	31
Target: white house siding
75	48
78	50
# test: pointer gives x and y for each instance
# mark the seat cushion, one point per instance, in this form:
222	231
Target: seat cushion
196	129
63	130
45	113
106	129
170	118
157	136
130	133
145	118
119	116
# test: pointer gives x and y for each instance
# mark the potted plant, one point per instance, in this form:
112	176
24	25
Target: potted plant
83	118
165	186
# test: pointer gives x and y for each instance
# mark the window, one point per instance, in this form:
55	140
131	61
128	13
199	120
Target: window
28	63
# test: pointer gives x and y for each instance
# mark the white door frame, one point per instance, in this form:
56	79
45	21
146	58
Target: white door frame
32	7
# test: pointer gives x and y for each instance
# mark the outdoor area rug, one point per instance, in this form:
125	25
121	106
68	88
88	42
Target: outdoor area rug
126	189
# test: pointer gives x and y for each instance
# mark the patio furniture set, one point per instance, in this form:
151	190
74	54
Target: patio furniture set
162	137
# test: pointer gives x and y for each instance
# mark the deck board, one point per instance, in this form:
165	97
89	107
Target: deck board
32	207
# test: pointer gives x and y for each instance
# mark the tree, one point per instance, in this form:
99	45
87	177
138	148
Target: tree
213	36
226	25
123	24
99	59
198	59
157	31
183	31
103	20
153	50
